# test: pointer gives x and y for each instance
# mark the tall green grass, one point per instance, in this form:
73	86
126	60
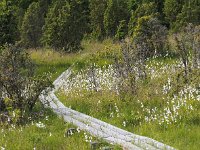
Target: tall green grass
52	137
125	111
55	62
30	136
122	111
126	114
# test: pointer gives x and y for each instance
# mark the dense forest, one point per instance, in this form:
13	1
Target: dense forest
63	24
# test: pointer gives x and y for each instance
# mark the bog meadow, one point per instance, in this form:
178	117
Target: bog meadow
135	64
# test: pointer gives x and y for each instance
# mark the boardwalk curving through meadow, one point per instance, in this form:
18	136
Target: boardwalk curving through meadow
95	127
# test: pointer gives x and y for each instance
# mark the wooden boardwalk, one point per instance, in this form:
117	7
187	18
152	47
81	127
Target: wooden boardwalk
98	128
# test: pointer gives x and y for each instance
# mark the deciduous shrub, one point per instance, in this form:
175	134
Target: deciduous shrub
19	87
150	31
188	46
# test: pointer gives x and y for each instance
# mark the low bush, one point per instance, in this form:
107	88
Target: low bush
19	87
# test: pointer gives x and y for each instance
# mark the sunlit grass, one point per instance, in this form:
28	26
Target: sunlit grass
183	136
55	62
29	136
125	111
109	108
122	111
52	136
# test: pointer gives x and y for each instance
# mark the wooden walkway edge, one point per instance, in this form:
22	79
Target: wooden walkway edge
95	127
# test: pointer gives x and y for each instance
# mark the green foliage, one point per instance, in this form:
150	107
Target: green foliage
190	13
122	30
20	89
133	4
187	45
97	9
8	23
159	6
79	11
65	25
134	112
115	12
180	13
171	9
98	18
51	136
151	35
144	9
57	19
24	4
31	30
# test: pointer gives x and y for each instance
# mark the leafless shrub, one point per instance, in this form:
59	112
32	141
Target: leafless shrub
92	78
130	66
188	47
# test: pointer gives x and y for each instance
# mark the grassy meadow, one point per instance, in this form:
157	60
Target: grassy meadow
47	131
156	111
159	110
134	64
54	63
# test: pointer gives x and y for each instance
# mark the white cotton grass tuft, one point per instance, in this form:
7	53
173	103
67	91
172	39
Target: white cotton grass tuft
3	148
40	125
106	79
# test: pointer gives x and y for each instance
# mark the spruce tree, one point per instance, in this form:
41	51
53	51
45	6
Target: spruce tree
56	25
79	20
190	13
145	9
133	4
31	30
66	24
116	11
122	30
8	23
97	10
171	9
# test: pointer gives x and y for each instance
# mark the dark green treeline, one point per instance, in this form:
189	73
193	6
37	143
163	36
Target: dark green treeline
63	24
